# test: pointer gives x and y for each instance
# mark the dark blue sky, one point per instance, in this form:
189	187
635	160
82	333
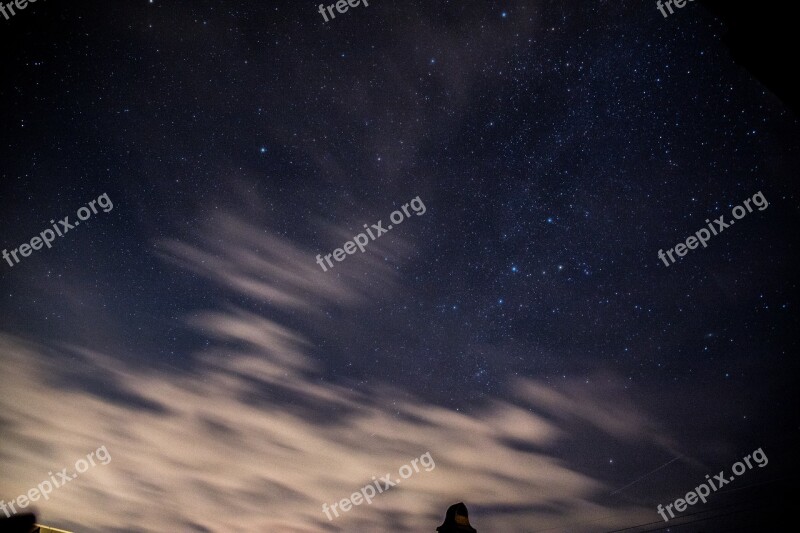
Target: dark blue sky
556	148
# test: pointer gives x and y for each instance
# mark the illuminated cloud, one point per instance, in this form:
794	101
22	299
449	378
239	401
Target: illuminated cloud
251	438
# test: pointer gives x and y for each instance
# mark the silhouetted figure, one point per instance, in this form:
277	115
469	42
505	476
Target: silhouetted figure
23	523
456	520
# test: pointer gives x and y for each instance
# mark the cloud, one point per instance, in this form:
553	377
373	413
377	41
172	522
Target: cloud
253	438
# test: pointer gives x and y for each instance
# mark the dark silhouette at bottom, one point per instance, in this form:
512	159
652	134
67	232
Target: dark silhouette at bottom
456	520
24	523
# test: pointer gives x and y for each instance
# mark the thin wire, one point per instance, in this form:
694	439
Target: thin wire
677	518
708	510
712	509
742	507
691	522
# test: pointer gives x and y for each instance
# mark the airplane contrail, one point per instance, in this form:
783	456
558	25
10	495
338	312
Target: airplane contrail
647	474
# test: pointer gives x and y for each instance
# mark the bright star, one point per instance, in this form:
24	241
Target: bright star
263	150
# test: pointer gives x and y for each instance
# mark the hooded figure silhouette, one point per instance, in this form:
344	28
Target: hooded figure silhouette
456	520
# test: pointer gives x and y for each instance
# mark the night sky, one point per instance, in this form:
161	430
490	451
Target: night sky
522	330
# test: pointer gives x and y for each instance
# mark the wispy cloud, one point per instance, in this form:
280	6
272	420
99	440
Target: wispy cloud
252	438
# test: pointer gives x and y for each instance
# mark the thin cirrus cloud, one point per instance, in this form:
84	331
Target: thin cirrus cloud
251	438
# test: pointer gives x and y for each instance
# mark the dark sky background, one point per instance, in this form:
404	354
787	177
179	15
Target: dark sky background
556	147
